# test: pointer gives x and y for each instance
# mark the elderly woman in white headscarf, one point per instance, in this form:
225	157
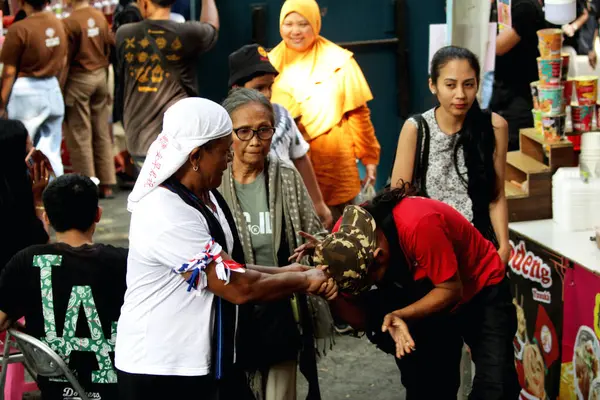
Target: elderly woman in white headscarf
178	325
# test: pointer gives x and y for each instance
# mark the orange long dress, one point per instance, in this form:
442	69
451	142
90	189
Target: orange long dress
326	92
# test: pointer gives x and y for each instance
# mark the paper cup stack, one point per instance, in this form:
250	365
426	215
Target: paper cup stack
550	93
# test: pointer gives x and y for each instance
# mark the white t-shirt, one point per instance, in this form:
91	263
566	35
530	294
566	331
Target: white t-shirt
287	143
163	328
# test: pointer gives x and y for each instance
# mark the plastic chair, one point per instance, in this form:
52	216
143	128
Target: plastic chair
12	371
43	361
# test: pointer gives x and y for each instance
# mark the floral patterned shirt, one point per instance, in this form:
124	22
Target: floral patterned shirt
443	181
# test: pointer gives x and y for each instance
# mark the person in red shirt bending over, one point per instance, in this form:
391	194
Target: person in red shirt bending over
417	269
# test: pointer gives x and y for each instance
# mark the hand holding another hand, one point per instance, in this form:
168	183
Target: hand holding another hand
320	284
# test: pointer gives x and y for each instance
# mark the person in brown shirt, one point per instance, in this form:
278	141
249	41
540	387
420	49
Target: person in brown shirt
157	61
87	96
34	55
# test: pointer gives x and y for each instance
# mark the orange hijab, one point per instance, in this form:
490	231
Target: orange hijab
321	84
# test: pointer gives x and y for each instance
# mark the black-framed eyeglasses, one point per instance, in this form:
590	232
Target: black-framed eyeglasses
246	134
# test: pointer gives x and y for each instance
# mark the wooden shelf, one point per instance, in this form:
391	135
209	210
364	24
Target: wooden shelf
553	154
513	191
537	136
525	163
533	165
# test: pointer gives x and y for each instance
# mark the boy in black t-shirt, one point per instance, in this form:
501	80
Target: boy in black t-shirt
70	292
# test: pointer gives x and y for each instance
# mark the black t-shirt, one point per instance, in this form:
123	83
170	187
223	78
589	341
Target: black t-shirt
71	299
516	69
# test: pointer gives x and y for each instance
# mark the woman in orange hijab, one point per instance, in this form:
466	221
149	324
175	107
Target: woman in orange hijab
326	92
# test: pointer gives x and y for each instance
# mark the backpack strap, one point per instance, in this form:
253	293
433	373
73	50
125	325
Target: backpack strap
421	164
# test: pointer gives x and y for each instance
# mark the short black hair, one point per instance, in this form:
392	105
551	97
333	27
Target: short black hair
163	3
37	4
241	82
71	202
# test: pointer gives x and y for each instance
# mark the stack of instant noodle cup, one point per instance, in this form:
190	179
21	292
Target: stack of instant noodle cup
555	92
583	107
549	94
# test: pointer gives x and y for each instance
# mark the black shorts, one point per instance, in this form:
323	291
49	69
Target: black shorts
144	387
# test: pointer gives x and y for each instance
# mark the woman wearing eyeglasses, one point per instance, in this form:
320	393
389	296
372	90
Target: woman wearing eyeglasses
271	206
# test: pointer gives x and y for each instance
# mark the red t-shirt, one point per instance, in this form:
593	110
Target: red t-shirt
438	241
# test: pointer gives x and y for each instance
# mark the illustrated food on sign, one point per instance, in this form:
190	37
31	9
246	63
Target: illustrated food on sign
586	362
534	370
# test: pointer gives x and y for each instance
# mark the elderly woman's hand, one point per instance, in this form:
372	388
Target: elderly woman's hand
305	249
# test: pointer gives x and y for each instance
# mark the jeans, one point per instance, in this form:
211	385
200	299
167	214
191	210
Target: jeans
487	324
38	104
433	370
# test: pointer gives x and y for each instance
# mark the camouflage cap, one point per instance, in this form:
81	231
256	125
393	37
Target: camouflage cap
349	252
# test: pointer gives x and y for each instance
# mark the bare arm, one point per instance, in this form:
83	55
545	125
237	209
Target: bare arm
506	40
305	168
442	297
405	155
592	56
366	146
254	285
209	13
499	208
578	23
279	270
434	252
9	75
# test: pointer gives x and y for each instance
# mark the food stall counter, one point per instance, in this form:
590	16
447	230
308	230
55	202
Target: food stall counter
555	279
576	246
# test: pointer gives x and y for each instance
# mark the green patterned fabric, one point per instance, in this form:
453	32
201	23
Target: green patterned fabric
349	252
81	296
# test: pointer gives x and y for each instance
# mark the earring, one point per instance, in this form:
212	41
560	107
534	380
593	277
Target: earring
433	92
195	168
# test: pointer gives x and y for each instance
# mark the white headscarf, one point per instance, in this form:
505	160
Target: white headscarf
187	124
